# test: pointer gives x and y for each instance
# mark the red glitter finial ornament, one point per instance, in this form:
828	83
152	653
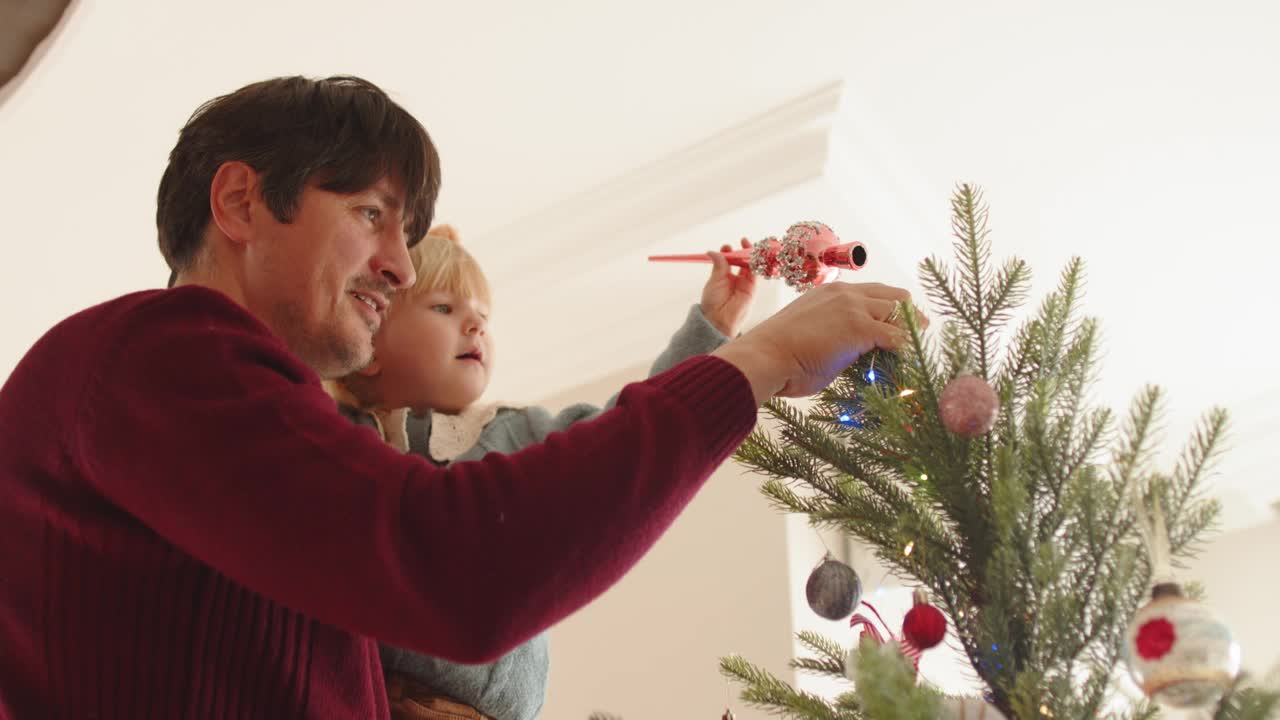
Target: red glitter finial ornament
809	254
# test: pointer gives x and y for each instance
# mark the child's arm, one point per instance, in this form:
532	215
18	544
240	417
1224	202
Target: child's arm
513	429
726	300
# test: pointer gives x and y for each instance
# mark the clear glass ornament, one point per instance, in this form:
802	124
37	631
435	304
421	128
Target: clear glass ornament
1179	652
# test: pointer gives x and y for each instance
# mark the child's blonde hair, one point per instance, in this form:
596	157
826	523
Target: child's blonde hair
440	263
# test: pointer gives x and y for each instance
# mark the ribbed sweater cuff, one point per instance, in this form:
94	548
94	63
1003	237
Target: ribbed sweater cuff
719	396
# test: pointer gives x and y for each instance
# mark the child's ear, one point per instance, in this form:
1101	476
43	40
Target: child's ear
373	369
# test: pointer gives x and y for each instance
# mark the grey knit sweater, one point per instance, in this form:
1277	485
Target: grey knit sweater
514	686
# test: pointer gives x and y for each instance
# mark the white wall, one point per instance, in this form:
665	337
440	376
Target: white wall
1238	570
716	584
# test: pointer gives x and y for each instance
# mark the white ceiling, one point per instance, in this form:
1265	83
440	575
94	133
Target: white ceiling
1144	136
528	103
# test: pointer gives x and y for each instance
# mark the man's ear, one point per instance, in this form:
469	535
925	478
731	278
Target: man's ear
232	196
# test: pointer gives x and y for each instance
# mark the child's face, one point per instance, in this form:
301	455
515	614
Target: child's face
433	352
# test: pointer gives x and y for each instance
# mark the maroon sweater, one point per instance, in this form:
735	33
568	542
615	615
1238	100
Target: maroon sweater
188	528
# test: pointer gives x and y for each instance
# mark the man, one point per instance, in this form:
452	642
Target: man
190	528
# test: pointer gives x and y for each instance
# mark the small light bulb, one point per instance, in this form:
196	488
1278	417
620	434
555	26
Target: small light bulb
907	393
906	551
924	476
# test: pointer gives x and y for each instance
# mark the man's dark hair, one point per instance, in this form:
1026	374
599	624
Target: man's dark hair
342	133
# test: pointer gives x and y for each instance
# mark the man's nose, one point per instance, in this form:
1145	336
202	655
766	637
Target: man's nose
392	262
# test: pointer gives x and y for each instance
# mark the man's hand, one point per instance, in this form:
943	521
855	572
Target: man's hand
727	296
800	349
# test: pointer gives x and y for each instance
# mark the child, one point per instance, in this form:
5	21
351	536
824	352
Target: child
432	359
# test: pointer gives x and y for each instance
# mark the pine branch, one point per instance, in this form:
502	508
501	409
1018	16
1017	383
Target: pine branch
1201	452
848	703
1184	541
956	350
822	646
1191	516
1249	704
786	499
1010	290
969	225
1023	359
765	691
819	667
946	297
1146	711
1134	452
887	688
1035	351
830	660
1089	442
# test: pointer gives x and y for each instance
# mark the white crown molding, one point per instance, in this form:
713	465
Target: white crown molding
784	164
575	302
771	152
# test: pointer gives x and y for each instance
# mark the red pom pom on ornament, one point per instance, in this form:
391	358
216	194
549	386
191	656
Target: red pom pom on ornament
925	625
1155	639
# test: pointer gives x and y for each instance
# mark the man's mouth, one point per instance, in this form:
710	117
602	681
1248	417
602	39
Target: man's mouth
374	301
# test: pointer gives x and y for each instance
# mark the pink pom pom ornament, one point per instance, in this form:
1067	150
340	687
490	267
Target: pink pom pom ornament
968	406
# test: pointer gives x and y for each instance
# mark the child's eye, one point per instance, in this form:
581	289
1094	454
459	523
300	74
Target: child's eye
442	308
371	214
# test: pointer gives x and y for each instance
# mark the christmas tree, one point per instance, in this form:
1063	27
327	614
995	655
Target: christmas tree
975	467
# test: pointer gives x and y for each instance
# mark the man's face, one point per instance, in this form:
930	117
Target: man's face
323	281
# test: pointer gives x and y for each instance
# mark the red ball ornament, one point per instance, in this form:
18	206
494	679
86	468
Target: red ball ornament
968	406
925	625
